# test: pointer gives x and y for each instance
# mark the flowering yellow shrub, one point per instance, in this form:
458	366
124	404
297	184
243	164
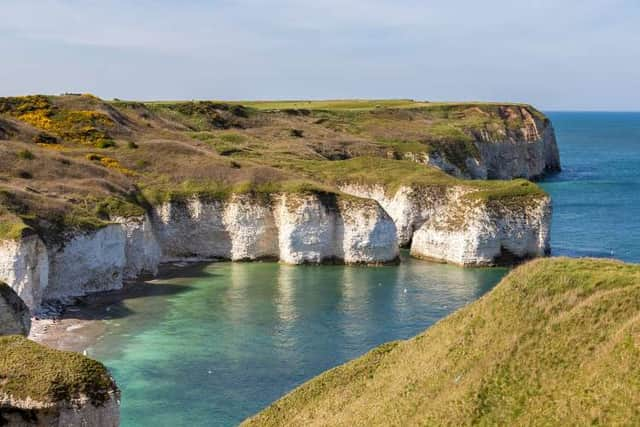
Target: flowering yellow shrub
110	163
82	126
55	147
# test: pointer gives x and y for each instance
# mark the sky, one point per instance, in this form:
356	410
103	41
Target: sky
554	54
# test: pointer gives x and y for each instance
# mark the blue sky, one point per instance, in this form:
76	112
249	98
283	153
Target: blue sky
555	54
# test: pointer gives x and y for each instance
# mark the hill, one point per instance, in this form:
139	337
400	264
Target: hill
557	342
71	162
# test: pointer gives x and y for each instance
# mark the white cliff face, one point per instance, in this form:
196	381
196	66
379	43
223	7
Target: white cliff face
142	251
441	224
408	207
527	158
192	229
24	265
91	262
14	314
314	229
295	229
527	152
79	413
486	235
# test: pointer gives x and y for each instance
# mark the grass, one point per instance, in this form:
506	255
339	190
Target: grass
557	342
32	371
174	150
393	174
12	228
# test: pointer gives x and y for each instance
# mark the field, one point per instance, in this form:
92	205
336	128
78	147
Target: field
75	161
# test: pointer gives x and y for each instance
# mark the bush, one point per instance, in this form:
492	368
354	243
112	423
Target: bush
45	138
105	143
141	164
25	155
233	138
132	145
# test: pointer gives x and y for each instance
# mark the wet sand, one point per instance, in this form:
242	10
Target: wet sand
81	325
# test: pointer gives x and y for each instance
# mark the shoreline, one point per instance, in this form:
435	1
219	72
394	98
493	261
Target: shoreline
80	324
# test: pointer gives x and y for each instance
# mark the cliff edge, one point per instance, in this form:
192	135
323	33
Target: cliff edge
555	343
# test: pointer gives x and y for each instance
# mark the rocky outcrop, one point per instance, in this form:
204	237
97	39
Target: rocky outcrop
83	263
14	314
449	224
24	265
484	233
44	387
531	157
86	263
325	228
78	413
527	149
141	249
294	228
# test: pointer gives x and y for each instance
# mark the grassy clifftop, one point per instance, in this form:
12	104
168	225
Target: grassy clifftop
32	371
557	342
73	162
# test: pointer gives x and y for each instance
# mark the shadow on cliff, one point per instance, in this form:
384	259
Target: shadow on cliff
111	305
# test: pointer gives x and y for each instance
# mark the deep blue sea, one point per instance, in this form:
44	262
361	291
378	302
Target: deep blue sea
217	343
596	198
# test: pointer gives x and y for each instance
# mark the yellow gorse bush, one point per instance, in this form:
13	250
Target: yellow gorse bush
88	127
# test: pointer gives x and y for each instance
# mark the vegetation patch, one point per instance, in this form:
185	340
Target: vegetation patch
32	371
83	126
557	342
212	149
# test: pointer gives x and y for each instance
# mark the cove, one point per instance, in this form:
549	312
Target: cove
226	339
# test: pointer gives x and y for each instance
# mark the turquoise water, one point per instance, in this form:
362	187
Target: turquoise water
221	341
217	343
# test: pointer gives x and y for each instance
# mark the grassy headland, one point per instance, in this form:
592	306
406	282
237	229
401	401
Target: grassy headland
72	162
557	342
32	371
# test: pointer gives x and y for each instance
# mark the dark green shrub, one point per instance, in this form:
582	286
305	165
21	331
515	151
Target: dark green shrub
105	143
25	155
45	138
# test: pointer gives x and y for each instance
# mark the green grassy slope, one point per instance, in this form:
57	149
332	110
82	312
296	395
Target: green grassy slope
557	342
73	162
32	371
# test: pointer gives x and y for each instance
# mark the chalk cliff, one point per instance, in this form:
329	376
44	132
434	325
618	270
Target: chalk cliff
14	314
453	225
292	228
527	149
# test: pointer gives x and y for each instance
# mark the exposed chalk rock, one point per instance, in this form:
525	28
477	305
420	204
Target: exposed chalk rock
79	413
294	228
14	314
314	229
24	265
529	151
442	224
486	234
142	251
86	263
